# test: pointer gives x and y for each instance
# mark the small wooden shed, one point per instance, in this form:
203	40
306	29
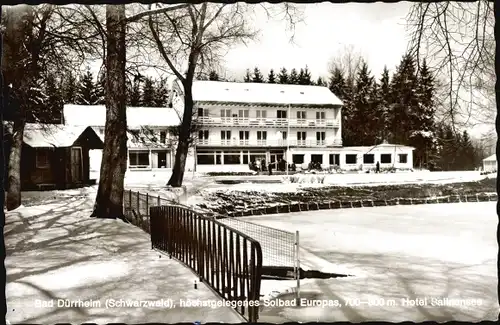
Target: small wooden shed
56	156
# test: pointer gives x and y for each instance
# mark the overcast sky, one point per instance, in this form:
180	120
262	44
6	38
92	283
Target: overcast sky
377	30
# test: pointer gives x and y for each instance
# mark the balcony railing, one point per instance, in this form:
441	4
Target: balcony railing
269	122
268	143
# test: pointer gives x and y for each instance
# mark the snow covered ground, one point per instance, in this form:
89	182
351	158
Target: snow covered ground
56	251
396	254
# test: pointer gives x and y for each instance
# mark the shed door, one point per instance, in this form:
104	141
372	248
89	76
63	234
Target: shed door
76	165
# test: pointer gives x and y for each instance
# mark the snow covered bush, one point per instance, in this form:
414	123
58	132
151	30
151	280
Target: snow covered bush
305	179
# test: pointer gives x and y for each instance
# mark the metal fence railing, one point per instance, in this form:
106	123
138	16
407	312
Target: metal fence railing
278	246
136	207
228	260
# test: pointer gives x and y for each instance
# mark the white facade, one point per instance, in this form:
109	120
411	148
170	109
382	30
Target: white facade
490	163
234	134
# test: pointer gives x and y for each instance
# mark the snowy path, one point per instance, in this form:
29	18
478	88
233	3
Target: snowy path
429	251
57	252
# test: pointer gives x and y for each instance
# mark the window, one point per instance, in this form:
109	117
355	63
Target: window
351	159
218	158
205	158
320	138
301	115
335	159
320	115
203	136
42	158
368	159
163	137
244	135
301	138
225	135
298	159
243	113
225	115
317	158
163	161
232	158
245	157
138	159
385	158
254	156
261	113
280	114
261	136
202	112
403	158
284	135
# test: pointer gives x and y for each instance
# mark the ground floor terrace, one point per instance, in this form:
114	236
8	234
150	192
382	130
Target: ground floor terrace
235	159
348	158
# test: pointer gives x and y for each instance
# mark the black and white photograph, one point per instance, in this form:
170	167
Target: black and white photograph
249	162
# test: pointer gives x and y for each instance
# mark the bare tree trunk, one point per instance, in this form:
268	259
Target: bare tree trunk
109	200
497	126
14	169
184	138
18	79
3	312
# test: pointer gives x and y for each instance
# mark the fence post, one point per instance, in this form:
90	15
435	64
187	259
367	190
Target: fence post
130	202
297	267
147	203
138	206
159	201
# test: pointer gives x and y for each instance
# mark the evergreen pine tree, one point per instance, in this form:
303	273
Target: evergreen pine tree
86	92
134	92
337	86
300	77
70	87
305	76
467	152
404	101
100	89
148	93
384	98
214	76
54	104
376	112
293	79
423	133
161	94
271	78
257	76
247	77
362	116
320	82
283	76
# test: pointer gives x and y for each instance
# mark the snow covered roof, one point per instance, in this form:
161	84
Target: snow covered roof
262	93
137	139
95	115
491	158
386	147
51	135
